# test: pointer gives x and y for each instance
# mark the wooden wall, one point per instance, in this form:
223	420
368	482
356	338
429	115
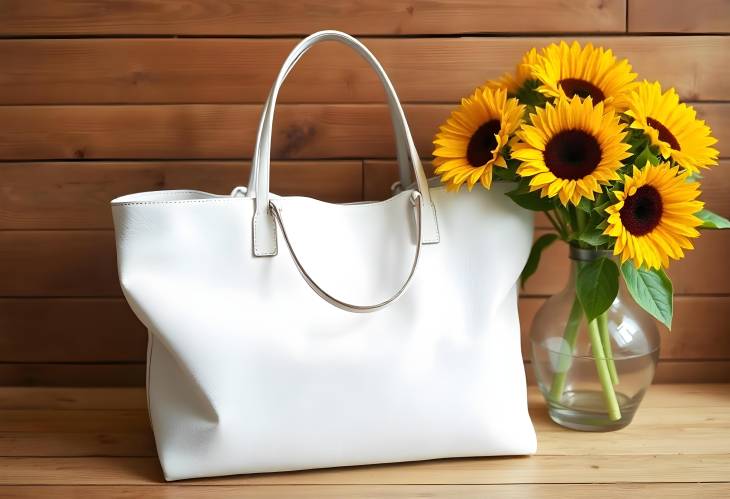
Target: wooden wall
100	98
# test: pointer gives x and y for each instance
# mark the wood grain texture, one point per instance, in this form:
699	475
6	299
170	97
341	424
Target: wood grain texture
137	71
76	195
536	469
52	262
214	131
58	430
133	374
279	17
40	330
699	16
702	271
98	330
70	374
101	98
536	491
19	397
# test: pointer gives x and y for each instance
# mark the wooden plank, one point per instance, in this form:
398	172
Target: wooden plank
676	396
74	421
51	262
697	430
42	443
133	374
14	397
536	491
536	469
702	271
717	117
77	195
703	16
702	422
700	329
676	371
672	396
191	131
26	374
174	71
98	330
58	263
692	371
262	17
210	131
70	330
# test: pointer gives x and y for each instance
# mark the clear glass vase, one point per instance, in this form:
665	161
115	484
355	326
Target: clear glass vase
593	376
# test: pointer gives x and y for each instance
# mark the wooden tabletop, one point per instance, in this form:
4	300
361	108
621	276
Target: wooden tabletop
97	443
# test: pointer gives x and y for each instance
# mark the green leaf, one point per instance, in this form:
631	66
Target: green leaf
585	205
651	289
602	207
694	177
530	96
597	286
644	156
593	237
712	220
505	174
530	200
535	253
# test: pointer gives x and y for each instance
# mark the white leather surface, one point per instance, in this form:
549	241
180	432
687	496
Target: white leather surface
249	370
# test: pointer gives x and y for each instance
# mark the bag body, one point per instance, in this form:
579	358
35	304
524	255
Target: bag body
288	333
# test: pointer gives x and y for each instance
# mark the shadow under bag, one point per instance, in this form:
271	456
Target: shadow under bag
288	333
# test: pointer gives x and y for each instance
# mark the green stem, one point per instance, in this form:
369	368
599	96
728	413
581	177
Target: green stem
561	219
569	336
555	224
580	223
604	376
606	344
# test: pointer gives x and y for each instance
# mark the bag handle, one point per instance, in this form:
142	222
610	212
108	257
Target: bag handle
417	201
264	223
404	164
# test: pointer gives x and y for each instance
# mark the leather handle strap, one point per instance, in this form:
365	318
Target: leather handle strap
264	226
417	201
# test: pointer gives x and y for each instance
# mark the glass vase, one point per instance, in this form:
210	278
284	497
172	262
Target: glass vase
593	375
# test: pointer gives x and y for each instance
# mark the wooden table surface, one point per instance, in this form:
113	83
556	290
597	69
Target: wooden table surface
97	443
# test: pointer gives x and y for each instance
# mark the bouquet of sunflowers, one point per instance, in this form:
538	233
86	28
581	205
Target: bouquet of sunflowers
614	164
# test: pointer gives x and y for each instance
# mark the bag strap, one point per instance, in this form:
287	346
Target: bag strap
264	223
417	201
404	163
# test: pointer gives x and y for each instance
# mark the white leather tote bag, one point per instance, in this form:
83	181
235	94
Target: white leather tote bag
288	333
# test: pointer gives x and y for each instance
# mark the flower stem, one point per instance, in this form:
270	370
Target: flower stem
604	376
569	336
606	344
558	226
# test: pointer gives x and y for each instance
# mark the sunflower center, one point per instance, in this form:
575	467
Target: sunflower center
664	133
572	154
482	143
581	88
642	212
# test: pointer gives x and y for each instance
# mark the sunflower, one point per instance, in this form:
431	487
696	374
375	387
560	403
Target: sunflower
513	82
567	71
672	127
654	217
470	143
571	149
